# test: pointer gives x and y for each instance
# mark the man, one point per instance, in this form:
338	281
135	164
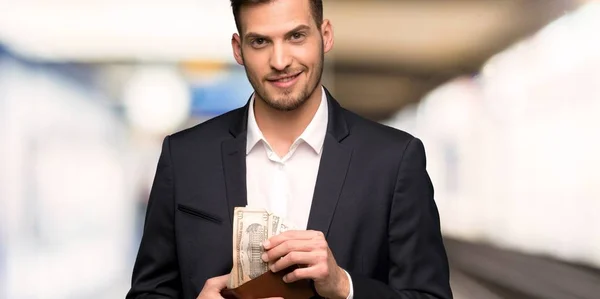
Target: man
358	190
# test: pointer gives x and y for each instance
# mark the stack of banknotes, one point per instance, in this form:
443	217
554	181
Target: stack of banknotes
251	227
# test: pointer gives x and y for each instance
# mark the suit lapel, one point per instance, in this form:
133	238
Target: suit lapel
233	153
330	180
335	161
234	167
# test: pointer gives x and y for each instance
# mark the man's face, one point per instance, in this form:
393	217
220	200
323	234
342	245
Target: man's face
282	50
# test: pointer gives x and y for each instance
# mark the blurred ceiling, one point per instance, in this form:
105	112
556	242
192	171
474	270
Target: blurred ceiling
386	53
434	35
390	53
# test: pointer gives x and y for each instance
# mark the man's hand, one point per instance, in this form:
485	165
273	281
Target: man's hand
213	287
310	250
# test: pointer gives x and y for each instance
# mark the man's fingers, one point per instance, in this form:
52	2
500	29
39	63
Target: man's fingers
315	272
292	235
286	247
295	258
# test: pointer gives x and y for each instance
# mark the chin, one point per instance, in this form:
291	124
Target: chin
285	105
288	102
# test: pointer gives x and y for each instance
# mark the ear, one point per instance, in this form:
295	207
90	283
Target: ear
236	45
327	33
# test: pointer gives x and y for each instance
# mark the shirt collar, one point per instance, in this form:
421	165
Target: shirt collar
313	135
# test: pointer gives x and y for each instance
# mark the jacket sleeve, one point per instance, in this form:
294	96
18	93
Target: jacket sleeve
156	270
418	262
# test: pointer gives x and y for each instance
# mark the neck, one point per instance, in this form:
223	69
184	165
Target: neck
282	128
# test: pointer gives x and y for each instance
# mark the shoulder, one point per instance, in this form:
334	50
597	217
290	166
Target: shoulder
382	145
365	131
211	131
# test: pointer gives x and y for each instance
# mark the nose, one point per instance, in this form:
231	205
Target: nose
280	58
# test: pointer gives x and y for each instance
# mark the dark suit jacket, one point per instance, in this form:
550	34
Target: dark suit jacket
373	200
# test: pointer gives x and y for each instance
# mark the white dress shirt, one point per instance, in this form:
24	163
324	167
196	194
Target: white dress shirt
285	185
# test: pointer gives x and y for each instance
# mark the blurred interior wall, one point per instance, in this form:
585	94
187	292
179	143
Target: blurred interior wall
513	153
60	219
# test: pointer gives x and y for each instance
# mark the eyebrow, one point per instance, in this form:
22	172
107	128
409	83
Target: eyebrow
296	29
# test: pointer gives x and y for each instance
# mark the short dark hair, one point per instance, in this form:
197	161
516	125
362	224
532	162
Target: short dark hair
316	7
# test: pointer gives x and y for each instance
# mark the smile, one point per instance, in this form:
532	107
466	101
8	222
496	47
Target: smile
285	82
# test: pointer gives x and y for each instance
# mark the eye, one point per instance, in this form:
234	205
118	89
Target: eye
297	36
258	42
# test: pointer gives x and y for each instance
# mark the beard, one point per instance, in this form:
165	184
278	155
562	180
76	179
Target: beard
289	99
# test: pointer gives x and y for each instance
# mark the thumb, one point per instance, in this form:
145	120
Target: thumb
218	282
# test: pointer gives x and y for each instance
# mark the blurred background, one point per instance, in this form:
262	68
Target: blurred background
504	94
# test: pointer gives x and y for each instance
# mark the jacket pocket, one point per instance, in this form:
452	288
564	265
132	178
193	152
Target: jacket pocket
198	213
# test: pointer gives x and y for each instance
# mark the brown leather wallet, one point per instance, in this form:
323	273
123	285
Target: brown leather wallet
271	284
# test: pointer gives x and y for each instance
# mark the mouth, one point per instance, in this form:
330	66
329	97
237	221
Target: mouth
285	81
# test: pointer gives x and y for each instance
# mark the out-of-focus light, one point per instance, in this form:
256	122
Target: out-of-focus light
449	108
563	47
106	30
157	99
